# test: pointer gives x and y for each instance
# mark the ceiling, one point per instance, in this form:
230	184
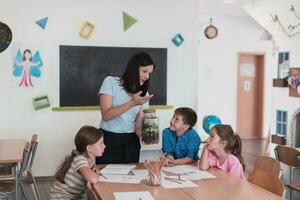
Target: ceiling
218	7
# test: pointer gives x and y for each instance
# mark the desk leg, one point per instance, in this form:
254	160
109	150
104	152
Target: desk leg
17	180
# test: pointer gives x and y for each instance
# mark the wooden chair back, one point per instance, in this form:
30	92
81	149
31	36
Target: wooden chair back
267	181
288	155
28	172
28	158
268	164
33	148
25	159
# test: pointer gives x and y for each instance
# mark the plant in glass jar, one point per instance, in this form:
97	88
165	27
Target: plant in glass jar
150	129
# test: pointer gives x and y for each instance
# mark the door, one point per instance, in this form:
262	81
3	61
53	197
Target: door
250	95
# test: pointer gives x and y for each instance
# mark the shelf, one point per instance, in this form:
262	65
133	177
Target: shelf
280	82
278	139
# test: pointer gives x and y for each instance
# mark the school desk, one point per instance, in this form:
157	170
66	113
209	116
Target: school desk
223	187
11	152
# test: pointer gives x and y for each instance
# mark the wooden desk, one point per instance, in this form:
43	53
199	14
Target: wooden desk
224	187
11	152
227	187
106	190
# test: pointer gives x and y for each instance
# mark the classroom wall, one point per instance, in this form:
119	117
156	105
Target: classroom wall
282	43
201	72
158	22
217	75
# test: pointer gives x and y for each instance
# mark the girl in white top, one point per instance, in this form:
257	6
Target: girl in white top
77	169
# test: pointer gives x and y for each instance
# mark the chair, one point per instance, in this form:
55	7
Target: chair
25	174
7	184
291	157
268	164
267	181
7	171
92	193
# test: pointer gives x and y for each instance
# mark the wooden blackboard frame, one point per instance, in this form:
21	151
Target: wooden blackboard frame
83	69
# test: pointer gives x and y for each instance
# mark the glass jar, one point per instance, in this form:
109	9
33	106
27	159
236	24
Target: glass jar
154	179
150	128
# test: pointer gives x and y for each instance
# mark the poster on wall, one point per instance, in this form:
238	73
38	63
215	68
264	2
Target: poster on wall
294	82
27	67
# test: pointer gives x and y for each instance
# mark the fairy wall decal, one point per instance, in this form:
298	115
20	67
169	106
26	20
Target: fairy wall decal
26	65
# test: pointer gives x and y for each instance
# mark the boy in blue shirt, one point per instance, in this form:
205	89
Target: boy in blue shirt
180	142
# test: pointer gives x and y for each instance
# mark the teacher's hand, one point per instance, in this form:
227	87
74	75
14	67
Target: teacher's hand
138	100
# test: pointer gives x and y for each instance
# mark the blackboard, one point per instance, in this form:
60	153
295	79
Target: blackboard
83	69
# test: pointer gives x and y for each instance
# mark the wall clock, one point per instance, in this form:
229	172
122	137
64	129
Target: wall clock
5	36
211	31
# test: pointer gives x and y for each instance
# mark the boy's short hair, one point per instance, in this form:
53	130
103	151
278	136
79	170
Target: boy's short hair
189	116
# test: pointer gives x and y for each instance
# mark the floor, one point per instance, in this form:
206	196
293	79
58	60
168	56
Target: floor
252	148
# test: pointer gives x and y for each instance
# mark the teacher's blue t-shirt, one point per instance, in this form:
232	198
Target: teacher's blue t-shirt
125	123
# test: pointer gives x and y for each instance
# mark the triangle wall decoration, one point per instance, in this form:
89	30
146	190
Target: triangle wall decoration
128	21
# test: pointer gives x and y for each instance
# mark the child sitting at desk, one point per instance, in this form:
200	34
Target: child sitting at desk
223	150
180	142
78	168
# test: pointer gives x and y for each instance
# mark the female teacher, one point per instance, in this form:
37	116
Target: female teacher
121	102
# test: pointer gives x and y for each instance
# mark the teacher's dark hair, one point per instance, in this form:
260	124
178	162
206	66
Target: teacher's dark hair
131	79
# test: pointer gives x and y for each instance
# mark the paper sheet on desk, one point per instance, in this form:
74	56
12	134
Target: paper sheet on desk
198	175
118	178
189	172
120	166
181	184
180	169
117	169
141	195
141	173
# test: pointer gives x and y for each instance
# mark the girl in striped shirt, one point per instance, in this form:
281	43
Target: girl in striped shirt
78	168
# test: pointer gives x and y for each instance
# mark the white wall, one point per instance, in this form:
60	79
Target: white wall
209	88
217	75
261	13
158	22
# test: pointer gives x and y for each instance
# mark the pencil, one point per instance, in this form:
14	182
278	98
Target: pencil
103	176
179	178
173	180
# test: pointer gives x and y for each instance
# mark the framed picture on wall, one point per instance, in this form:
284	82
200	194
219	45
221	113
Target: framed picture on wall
294	82
283	64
